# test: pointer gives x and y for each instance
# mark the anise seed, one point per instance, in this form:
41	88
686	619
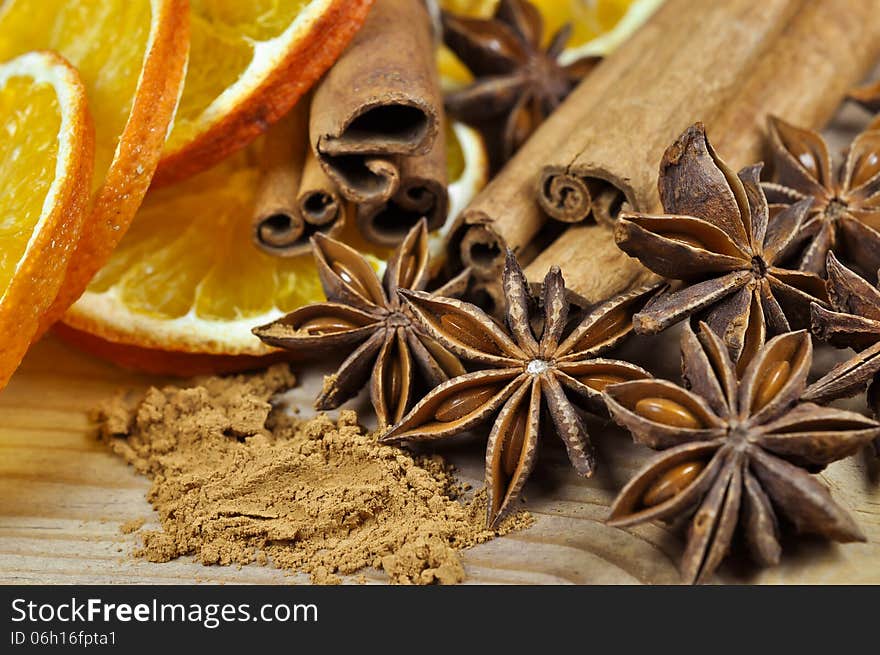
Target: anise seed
513	444
326	325
805	156
672	483
867	167
668	412
601	380
393	382
406	271
350	279
448	363
460	328
605	328
463	404
772	382
685	238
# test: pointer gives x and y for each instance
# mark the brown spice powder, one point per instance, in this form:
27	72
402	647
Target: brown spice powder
235	483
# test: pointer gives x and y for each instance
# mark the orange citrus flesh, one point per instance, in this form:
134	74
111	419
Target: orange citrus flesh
46	159
131	55
187	279
164	362
250	61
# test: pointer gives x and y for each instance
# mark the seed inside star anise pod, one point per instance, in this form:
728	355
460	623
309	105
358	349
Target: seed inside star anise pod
520	375
364	317
869	97
735	452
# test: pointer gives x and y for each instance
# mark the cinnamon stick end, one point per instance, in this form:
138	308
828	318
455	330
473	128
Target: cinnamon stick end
281	235
564	196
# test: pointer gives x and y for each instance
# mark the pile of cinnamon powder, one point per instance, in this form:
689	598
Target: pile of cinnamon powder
235	482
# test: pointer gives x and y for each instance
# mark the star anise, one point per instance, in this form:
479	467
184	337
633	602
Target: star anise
717	238
516	79
868	96
845	214
366	317
520	375
854	322
738	451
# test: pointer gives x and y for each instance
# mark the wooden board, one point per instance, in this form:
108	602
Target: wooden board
63	498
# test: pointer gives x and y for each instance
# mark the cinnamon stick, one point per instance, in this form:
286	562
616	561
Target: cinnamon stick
590	247
683	64
378	103
422	194
689	76
824	51
488	295
277	226
318	200
803	77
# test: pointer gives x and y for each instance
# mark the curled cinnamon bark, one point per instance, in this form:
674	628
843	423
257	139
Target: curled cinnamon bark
629	107
595	268
422	193
821	76
378	103
319	201
691	75
295	198
277	226
803	78
488	295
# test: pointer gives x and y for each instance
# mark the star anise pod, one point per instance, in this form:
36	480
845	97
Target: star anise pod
366	317
521	375
845	214
517	81
717	238
868	96
738	452
853	322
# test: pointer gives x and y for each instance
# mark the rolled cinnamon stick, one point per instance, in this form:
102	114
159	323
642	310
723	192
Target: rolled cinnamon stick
318	200
593	266
379	102
684	63
489	296
802	77
277	226
690	75
422	194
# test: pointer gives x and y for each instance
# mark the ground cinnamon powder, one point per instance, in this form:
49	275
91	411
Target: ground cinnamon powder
235	482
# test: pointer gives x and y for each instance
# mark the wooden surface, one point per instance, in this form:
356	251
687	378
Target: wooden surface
63	499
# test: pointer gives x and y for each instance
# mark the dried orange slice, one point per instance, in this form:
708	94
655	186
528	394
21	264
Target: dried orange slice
249	64
131	56
46	158
186	285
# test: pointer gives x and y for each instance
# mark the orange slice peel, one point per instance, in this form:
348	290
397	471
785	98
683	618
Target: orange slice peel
46	161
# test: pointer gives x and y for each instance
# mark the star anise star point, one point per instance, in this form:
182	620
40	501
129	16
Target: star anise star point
364	315
845	211
515	76
868	96
519	375
853	321
718	240
739	451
